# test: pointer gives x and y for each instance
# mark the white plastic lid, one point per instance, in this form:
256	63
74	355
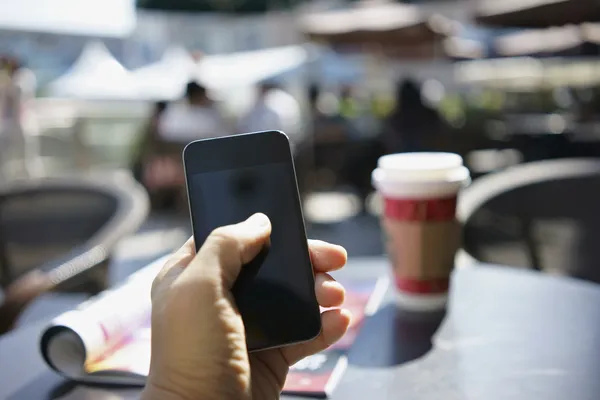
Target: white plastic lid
421	166
420	188
420	175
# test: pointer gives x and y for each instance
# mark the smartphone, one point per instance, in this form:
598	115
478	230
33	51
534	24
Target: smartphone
229	179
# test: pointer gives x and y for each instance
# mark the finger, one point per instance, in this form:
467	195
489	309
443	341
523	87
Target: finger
335	324
177	262
188	249
228	248
326	257
329	292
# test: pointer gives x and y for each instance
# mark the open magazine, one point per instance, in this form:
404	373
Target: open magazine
106	339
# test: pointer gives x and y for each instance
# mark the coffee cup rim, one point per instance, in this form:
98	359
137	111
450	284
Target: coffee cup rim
420	162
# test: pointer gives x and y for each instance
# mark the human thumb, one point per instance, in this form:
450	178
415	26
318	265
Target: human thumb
232	246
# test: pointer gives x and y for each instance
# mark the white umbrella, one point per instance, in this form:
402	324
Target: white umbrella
95	75
247	68
463	48
166	79
232	77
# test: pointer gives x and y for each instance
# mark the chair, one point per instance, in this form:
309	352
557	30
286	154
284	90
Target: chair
541	215
58	234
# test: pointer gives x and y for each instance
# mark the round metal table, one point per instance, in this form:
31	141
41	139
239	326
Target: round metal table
508	334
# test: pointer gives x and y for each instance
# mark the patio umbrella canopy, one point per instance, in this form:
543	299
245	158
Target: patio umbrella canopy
570	40
536	13
245	69
383	25
458	48
166	79
96	74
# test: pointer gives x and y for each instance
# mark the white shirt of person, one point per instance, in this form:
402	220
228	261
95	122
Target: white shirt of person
183	123
278	110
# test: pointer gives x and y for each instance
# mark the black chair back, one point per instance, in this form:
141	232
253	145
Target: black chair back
47	223
543	215
59	233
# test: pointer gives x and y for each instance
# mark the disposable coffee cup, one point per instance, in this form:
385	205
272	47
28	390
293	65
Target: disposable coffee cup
419	193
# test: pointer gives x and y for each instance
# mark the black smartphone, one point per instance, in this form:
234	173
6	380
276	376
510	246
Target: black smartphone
229	179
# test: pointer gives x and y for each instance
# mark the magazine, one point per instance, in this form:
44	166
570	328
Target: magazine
106	340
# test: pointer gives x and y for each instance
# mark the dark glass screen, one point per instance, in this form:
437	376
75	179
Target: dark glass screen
275	292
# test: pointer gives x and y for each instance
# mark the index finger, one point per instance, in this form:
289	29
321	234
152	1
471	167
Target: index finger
326	257
179	260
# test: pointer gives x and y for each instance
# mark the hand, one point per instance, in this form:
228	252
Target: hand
198	340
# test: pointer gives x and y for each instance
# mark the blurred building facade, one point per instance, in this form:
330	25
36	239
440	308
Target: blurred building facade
48	36
217	33
50	43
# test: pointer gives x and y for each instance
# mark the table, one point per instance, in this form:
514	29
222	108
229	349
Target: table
508	334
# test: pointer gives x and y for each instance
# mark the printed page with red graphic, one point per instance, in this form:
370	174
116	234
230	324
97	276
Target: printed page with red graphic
317	375
107	339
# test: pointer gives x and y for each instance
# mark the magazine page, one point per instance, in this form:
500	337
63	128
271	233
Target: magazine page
317	375
107	339
129	358
76	340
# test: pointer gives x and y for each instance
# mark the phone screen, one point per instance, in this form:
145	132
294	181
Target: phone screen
275	292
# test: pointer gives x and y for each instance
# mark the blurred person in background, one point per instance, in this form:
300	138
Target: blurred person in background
274	109
314	93
196	117
316	112
412	125
147	139
14	89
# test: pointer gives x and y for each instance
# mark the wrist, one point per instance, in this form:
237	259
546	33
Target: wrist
182	388
168	387
153	392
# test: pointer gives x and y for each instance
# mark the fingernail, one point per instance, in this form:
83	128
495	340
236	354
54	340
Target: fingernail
259	220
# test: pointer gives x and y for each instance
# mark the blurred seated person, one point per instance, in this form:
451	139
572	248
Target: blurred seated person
196	117
412	125
274	109
147	139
